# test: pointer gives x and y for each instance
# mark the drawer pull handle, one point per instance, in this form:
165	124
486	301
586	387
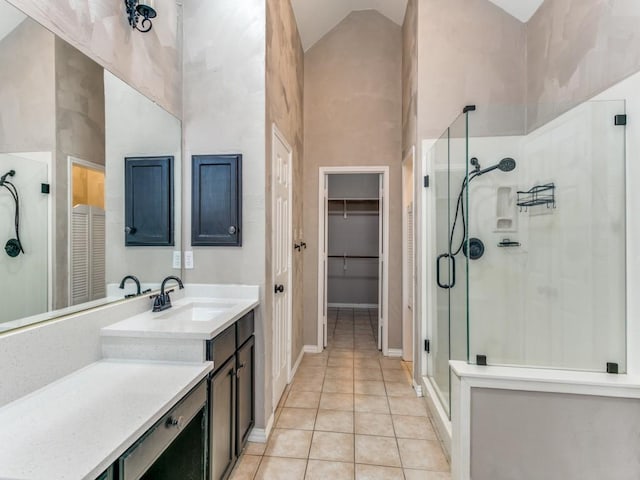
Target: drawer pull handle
242	365
175	422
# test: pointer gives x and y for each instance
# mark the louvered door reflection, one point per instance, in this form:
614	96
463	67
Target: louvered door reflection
87	280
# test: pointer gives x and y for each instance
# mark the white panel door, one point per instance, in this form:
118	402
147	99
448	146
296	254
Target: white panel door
325	260
281	264
381	278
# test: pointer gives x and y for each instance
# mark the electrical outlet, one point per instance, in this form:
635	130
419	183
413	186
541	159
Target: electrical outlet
188	260
177	259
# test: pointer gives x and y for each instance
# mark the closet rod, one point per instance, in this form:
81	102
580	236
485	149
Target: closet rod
352	256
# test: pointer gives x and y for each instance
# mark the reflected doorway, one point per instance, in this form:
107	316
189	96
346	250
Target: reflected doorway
87	230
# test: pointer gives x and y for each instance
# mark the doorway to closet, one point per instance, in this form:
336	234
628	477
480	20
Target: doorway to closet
352	258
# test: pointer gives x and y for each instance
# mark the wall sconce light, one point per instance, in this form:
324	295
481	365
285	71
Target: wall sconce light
140	15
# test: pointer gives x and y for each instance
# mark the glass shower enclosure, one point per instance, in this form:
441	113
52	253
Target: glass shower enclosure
528	242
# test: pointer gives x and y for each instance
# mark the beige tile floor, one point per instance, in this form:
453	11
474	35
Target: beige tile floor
349	413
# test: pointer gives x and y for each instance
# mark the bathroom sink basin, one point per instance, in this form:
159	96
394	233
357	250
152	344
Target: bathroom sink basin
197	311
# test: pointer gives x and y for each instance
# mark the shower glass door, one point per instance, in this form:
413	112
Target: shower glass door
448	326
550	289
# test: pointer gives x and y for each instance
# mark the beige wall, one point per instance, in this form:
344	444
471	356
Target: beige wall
27	96
224	112
284	97
409	77
158	134
150	61
79	91
576	49
469	52
353	116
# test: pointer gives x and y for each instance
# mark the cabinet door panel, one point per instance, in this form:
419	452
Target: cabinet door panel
222	418
245	393
149	201
216	204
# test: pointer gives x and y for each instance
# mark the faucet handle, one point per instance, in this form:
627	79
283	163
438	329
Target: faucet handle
158	303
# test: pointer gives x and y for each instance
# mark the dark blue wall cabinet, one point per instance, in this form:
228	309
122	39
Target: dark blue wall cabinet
216	208
148	201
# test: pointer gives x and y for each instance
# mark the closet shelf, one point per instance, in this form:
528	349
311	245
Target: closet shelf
334	199
538	195
351	206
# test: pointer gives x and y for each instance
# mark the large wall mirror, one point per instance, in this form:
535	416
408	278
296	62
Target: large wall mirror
66	127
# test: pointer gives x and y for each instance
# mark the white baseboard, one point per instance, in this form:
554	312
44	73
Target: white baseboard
312	349
394	352
352	305
294	369
418	388
261	435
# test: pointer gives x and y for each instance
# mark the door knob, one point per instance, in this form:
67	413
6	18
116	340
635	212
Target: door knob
232	230
279	288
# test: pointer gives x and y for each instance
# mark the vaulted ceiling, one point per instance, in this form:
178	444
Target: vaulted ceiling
317	17
523	10
10	18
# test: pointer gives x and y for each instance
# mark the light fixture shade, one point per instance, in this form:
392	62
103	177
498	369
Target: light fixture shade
140	14
147	9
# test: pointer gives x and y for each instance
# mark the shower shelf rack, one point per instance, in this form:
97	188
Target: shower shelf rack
538	195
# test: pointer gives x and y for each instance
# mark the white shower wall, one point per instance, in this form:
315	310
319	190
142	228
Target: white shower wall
26	276
558	300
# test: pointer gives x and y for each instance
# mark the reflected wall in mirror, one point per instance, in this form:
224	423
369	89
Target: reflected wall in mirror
66	126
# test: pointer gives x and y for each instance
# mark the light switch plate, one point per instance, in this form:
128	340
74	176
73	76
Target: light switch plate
188	260
177	259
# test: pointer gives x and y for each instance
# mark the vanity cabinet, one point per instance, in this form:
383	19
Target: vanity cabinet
222	400
246	397
231	395
174	447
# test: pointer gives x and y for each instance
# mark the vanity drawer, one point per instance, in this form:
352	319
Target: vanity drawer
222	347
139	458
245	327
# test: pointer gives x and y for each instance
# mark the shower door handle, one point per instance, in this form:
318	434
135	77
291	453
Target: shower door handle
453	275
453	271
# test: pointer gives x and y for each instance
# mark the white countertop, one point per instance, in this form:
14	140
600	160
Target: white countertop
167	324
76	427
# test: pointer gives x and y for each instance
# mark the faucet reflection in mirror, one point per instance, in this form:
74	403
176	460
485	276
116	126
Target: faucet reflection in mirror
140	14
135	280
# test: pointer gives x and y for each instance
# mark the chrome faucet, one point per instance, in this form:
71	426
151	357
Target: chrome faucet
137	282
162	301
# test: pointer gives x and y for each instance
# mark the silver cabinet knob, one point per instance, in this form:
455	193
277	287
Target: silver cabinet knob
130	230
232	230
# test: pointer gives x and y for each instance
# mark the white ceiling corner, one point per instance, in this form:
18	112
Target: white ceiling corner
523	10
10	18
315	18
